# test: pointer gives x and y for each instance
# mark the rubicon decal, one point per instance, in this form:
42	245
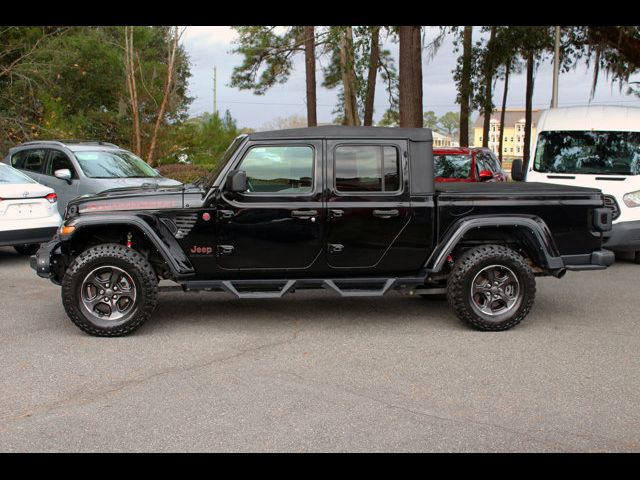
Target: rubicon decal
197	250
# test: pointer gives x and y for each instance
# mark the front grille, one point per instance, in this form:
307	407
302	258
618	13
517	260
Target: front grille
610	203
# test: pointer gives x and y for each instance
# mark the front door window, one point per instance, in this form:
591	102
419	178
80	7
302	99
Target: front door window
279	169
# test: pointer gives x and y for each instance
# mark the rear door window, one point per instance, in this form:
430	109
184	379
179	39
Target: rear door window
30	160
367	168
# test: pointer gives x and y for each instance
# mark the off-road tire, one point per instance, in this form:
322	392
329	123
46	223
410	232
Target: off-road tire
636	257
463	273
27	248
127	259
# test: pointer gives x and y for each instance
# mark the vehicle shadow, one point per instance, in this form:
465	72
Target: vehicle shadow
317	308
8	256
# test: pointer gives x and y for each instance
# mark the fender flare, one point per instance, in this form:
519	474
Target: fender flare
534	228
158	234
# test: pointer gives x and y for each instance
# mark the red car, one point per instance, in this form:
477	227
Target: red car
467	164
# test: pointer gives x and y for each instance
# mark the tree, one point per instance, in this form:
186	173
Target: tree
268	59
130	70
348	77
486	93
280	123
614	49
450	122
369	60
430	120
176	33
74	85
310	71
410	76
391	118
464	85
374	64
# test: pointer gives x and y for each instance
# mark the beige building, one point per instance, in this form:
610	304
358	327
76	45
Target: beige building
440	140
513	141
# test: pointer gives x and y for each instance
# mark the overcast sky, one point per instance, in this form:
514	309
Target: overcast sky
209	46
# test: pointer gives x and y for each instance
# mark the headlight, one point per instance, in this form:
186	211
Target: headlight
632	199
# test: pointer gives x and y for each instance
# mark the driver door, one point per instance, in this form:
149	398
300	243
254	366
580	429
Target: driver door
278	223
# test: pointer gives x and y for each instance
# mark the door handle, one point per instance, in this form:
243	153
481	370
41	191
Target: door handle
333	213
386	213
305	214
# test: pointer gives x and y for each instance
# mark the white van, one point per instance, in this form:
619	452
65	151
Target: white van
599	147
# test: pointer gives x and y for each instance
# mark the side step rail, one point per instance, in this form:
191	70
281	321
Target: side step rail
228	286
277	288
346	292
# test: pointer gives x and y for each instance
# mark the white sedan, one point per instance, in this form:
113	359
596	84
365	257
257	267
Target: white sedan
28	211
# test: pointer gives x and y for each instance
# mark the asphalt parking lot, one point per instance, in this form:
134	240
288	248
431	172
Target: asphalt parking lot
314	372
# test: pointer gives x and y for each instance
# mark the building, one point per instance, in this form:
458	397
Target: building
440	140
513	141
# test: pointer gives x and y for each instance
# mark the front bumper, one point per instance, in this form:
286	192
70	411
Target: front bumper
624	236
43	262
26	236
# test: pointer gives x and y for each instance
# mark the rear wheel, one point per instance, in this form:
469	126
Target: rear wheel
491	288
27	248
109	290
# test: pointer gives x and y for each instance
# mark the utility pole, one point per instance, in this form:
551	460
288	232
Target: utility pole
556	70
215	106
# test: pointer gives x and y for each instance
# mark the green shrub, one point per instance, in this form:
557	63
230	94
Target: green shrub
182	172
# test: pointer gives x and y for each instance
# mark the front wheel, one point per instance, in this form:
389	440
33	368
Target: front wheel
109	290
491	288
636	257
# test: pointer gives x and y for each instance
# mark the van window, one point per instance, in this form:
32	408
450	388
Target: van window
588	152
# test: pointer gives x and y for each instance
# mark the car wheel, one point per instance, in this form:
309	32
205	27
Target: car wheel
109	290
491	288
27	248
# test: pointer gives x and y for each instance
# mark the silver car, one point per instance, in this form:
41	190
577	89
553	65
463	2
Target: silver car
74	168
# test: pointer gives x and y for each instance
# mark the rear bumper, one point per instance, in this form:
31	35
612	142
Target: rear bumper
25	236
598	260
624	236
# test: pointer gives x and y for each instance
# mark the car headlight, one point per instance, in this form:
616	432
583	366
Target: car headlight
632	199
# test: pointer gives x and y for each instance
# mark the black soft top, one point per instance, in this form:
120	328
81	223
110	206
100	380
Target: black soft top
339	131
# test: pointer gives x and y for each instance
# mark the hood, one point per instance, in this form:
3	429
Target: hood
145	197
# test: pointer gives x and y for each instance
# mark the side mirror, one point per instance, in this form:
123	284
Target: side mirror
516	170
63	174
485	175
236	181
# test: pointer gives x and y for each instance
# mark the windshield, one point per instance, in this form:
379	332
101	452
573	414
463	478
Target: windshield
114	164
211	177
586	152
452	166
9	175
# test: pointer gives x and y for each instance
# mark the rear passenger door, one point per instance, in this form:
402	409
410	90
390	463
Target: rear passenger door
368	202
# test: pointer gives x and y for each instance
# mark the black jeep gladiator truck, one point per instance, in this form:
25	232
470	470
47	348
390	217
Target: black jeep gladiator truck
353	210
